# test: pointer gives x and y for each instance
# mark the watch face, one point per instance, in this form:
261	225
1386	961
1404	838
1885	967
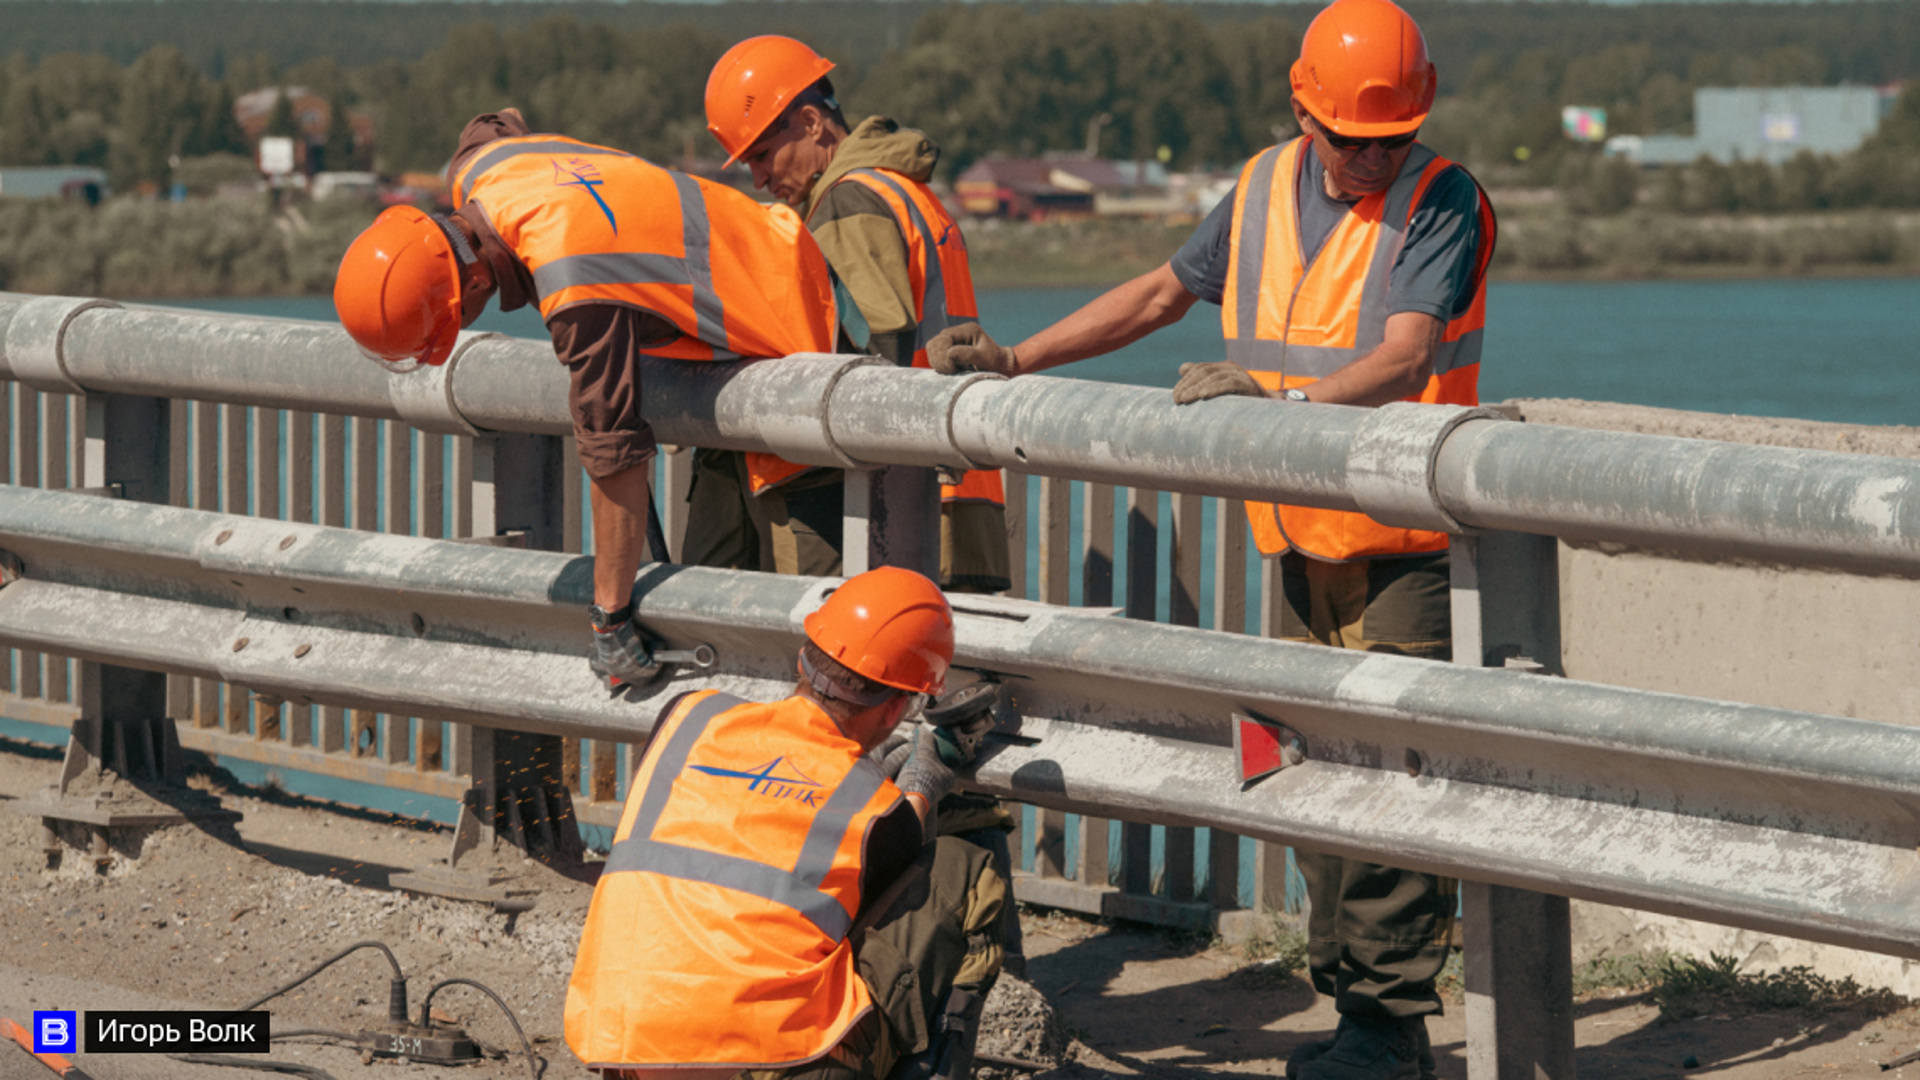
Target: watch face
1296	394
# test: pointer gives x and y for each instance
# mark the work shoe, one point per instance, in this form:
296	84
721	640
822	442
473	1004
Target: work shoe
1367	1048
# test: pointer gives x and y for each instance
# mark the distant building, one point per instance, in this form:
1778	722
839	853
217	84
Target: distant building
312	114
53	182
1770	125
1063	185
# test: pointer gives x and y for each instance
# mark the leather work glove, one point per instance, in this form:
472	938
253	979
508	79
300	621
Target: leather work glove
1220	378
924	773
623	653
965	348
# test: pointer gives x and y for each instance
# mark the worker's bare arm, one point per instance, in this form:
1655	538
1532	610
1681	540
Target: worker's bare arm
1115	319
1398	368
619	533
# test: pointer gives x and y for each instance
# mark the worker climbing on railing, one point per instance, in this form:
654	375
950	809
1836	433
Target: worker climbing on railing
863	192
772	900
1350	268
623	259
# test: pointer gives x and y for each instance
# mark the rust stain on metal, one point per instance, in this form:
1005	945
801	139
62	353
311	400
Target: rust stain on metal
288	542
302	650
225	535
241	644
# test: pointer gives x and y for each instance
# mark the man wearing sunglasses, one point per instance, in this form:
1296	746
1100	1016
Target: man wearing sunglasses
1349	265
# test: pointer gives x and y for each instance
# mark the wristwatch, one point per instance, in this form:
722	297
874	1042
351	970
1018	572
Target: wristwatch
607	620
1294	393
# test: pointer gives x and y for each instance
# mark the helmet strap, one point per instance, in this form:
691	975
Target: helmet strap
458	239
826	687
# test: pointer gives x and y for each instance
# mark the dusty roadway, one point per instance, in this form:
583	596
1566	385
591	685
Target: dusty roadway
199	922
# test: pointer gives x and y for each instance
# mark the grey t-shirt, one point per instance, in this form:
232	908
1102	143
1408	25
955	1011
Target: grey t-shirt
1434	274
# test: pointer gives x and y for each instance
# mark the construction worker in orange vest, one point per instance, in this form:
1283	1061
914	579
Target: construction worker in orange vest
1350	267
864	194
773	902
623	259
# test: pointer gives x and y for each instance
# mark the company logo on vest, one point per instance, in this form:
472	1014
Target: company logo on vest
585	175
764	782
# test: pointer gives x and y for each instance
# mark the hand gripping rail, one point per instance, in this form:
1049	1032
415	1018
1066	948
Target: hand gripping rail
1775	820
1434	467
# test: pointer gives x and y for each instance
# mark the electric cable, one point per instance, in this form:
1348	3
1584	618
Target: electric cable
397	996
322	1032
291	1068
525	1046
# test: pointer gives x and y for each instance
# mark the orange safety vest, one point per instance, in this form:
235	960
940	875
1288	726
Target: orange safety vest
597	225
942	283
717	934
1292	324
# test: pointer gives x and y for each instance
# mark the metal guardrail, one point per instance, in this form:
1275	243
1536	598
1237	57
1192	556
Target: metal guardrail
1757	817
1765	818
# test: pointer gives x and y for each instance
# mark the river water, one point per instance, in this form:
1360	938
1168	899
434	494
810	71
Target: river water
1838	349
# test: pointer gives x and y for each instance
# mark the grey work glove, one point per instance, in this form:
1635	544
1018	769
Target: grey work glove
965	348
1220	378
623	654
924	773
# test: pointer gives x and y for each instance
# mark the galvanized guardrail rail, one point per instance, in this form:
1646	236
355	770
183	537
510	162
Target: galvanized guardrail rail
448	654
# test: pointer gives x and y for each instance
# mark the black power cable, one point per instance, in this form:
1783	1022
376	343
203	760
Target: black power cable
396	998
526	1047
291	1068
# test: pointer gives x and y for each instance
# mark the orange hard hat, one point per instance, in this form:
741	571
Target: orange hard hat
398	289
1363	70
891	625
753	84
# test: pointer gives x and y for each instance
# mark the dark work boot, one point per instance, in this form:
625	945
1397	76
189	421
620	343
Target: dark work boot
1313	1050
1370	1048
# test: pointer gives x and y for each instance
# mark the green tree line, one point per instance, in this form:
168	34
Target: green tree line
1203	84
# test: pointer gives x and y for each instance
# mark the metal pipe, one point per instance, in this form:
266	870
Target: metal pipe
1418	466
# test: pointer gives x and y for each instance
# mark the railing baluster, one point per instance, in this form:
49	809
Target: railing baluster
366	513
266	504
463	485
56	441
1016	489
300	507
1229	614
1096	590
26	455
233	500
8	391
1143	551
397	744
1183	609
206	496
331	510
430	486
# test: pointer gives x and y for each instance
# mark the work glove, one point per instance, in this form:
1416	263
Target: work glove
966	347
924	772
623	654
1198	382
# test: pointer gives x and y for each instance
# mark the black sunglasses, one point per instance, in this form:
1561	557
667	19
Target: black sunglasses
1349	146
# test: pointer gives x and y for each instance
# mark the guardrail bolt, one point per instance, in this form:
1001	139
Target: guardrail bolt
301	650
241	644
1414	764
1296	750
225	535
288	542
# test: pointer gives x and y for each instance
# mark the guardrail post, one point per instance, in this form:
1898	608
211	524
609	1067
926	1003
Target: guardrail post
518	786
892	519
1519	944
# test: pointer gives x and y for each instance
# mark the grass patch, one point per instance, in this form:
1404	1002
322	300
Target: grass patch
1276	944
1684	987
1627	971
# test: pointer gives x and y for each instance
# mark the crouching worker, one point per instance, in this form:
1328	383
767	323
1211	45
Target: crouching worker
772	903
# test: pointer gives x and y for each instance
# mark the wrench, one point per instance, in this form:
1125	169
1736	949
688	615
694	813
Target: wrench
700	656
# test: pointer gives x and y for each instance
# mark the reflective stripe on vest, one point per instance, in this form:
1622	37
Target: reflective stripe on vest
717	934
1292	323
798	888
596	225
943	289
